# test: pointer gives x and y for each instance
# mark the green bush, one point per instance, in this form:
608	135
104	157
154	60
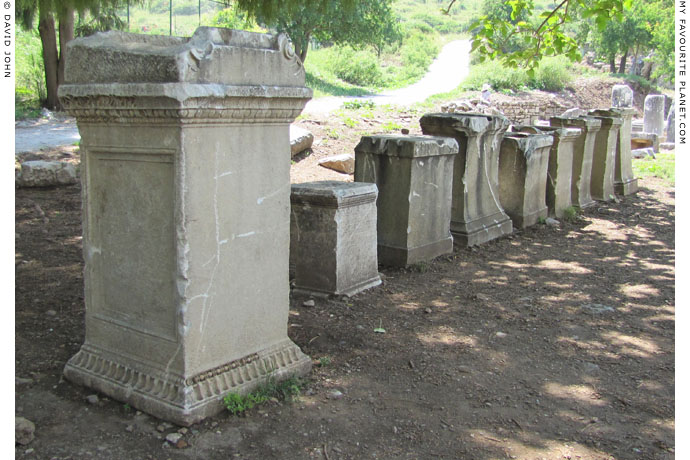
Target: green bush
359	67
496	75
553	74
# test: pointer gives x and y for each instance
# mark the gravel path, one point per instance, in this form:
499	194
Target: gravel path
447	71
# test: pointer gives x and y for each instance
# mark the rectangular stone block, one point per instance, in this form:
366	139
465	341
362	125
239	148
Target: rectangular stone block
624	182
414	176
603	160
185	170
334	237
583	155
476	213
522	168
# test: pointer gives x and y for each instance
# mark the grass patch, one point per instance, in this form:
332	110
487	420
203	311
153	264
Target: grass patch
286	390
662	167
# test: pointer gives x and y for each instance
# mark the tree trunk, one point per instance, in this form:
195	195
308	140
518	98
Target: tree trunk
66	28
301	47
46	29
612	64
624	60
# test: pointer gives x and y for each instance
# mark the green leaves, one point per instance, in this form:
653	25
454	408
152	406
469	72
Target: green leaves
506	31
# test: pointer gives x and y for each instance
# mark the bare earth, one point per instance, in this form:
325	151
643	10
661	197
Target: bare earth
551	343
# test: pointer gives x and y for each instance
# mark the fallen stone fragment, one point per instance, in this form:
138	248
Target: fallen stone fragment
92	399
46	174
23	431
642	153
308	303
344	163
552	222
173	438
300	140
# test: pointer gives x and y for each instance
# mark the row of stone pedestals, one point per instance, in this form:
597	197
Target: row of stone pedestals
468	180
187	210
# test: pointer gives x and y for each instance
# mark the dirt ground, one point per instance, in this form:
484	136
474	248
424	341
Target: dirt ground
550	343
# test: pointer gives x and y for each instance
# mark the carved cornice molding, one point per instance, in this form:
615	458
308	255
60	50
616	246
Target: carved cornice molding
182	103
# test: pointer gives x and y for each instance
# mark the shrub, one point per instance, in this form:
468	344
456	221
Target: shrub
496	75
359	67
553	74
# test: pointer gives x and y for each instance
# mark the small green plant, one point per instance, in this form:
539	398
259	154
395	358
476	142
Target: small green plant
285	390
541	220
570	213
391	126
349	122
359	104
420	267
332	133
324	361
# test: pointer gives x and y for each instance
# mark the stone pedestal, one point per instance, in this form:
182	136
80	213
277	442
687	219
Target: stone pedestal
185	169
654	114
583	153
476	213
624	183
603	161
414	176
560	169
334	237
522	167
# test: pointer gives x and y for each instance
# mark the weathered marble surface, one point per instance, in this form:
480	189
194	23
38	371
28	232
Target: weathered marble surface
185	228
333	237
414	175
476	212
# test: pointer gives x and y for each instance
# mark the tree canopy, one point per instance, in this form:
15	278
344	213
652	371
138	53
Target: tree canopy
364	22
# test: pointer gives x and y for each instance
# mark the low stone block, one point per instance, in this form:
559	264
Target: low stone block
643	153
604	158
476	213
522	168
300	140
641	140
583	154
334	237
46	174
414	176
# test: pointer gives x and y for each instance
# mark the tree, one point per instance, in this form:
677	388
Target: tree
546	36
364	22
54	39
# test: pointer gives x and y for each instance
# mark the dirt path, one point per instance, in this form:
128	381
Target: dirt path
445	73
552	343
